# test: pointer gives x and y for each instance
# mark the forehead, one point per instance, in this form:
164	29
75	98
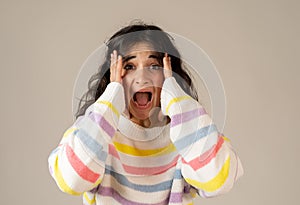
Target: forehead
141	48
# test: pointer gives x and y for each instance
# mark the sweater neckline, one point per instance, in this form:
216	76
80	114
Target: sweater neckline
136	132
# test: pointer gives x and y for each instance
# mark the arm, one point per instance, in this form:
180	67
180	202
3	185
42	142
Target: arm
208	161
78	163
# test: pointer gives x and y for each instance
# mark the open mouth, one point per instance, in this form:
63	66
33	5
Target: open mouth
142	99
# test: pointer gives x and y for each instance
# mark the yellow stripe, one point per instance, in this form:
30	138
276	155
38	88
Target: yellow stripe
140	152
69	131
226	139
110	105
90	201
61	182
174	100
216	182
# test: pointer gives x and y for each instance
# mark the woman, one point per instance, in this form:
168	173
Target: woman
142	137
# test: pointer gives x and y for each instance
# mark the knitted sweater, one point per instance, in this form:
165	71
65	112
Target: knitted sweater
111	160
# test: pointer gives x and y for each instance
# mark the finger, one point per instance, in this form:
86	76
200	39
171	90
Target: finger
160	116
113	65
119	69
123	72
167	66
166	62
110	67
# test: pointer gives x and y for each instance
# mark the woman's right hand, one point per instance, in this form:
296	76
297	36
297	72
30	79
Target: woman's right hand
116	67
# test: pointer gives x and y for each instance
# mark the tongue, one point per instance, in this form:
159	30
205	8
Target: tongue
142	98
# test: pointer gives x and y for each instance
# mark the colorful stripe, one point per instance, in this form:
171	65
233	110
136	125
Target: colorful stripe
69	131
141	152
110	192
187	116
190	139
121	179
81	169
103	123
176	100
150	170
88	200
176	197
112	151
91	144
215	183
111	106
206	157
60	180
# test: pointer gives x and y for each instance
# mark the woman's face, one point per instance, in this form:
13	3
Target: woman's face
142	83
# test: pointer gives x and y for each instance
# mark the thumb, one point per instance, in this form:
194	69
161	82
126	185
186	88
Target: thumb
160	116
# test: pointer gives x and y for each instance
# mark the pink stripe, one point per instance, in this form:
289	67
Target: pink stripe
150	170
112	151
206	157
82	170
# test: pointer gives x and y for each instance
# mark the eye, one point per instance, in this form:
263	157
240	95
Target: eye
128	67
155	67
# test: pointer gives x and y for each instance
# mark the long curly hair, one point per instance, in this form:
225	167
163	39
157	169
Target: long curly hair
121	41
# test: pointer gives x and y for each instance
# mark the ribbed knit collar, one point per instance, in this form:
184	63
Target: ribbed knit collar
137	132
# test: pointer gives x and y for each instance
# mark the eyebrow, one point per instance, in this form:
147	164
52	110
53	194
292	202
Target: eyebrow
128	58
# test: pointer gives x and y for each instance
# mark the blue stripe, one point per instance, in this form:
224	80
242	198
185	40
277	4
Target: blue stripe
92	144
143	188
177	174
194	137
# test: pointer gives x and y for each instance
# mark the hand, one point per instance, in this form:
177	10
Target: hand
167	66
160	118
157	118
116	67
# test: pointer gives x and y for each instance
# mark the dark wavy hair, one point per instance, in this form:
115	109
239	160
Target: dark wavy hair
121	41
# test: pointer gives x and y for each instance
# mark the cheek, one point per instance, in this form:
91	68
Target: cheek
126	82
158	81
126	86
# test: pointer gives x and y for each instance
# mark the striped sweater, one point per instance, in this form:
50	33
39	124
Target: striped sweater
110	160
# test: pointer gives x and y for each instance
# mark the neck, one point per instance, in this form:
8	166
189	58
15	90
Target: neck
156	119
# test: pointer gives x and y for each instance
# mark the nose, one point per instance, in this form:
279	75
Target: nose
141	76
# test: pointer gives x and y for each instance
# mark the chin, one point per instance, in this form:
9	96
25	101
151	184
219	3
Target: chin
139	116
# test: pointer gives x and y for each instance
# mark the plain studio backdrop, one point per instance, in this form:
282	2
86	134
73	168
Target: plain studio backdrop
254	45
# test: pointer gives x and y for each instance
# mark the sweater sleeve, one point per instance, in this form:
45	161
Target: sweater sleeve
78	163
209	162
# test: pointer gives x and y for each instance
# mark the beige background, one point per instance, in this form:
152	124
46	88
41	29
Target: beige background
254	45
